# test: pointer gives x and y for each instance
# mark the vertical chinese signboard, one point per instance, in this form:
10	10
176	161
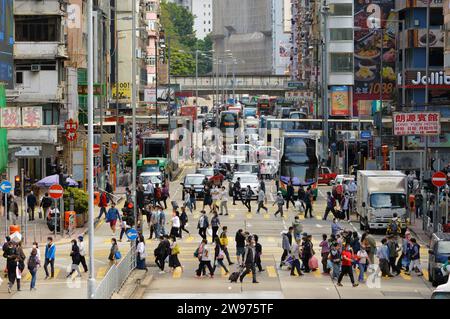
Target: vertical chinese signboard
3	134
6	43
340	101
421	123
375	51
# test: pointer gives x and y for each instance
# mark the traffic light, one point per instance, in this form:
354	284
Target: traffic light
17	186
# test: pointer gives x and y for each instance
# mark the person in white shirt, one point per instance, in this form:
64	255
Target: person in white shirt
223	201
175	230
363	262
352	188
215	195
82	253
140	252
151	191
205	259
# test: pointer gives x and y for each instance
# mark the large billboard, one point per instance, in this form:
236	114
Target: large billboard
6	43
420	123
375	50
340	101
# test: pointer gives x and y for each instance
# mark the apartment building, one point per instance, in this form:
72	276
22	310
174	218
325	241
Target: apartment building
203	17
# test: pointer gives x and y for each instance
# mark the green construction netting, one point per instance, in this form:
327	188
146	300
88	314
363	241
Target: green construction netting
3	135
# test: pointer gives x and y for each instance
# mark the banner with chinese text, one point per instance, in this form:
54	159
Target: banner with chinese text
420	123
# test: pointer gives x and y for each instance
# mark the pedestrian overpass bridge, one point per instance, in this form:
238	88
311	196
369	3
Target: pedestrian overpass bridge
242	84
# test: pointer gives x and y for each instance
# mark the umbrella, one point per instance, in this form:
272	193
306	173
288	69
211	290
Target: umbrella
48	181
71	182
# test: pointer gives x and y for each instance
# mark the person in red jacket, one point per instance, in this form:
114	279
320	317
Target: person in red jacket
102	204
346	268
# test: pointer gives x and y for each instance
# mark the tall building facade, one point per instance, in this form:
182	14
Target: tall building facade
446	12
203	17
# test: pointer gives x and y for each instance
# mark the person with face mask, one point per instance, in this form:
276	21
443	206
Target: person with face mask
75	254
82	253
346	268
50	252
345	205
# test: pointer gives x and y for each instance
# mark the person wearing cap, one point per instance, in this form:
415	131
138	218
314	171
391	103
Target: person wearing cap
82	253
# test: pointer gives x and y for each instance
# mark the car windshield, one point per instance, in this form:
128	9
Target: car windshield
155	179
441	295
247	179
194	180
206	171
247	168
382	200
443	247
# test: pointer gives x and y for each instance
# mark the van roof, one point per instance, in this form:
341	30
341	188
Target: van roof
382	173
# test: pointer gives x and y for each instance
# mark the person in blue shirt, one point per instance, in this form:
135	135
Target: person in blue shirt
50	251
335	227
112	216
383	257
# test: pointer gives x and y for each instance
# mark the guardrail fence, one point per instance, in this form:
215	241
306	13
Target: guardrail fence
116	276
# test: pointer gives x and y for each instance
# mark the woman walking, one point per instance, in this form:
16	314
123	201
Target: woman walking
174	262
363	262
183	221
114	252
140	252
175	230
215	224
207	200
165	194
219	256
33	263
76	259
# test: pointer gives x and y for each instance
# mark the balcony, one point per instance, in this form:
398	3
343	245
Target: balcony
39	50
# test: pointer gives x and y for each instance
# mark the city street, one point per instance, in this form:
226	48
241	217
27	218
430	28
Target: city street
273	283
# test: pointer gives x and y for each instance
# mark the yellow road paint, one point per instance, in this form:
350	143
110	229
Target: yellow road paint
232	216
405	277
317	273
271	271
266	216
249	216
222	273
271	240
27	277
318	217
190	239
209	239
101	272
177	273
425	274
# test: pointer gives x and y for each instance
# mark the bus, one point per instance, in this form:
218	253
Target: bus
152	165
266	105
299	162
228	119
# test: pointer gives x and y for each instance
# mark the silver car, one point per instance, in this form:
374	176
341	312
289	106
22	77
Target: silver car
247	179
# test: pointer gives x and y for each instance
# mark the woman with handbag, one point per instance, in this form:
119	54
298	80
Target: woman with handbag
114	253
174	262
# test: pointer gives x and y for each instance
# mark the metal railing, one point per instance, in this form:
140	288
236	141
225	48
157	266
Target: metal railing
116	277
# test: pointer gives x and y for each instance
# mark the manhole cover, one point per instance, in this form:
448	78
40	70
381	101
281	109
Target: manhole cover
400	294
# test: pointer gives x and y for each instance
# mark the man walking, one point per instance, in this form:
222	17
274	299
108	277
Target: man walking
203	224
286	245
224	244
31	203
290	194
261	200
248	198
237	191
308	198
223	201
249	260
383	257
415	258
240	245
280	203
82	251
331	203
50	252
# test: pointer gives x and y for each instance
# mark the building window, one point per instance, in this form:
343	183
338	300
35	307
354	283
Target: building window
341	34
19	77
436	17
36	28
341	62
50	115
341	9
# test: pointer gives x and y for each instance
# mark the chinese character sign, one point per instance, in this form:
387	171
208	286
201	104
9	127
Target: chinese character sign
10	117
32	116
423	123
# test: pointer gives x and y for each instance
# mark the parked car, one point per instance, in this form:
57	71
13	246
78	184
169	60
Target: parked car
442	292
251	168
195	180
326	176
437	256
208	171
246	179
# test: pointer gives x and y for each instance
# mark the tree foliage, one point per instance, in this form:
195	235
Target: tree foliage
178	24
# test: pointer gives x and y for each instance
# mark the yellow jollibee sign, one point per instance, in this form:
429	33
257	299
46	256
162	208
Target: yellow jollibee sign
124	91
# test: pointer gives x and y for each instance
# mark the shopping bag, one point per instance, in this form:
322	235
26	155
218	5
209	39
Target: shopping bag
313	263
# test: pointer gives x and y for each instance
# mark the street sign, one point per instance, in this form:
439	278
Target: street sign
366	135
56	191
5	187
297	85
71	125
439	179
71	136
96	148
132	234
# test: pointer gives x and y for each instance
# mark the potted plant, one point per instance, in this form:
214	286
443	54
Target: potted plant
80	204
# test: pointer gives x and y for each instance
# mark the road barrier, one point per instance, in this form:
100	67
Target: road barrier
116	276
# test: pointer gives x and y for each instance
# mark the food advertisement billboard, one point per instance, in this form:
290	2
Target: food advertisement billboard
340	101
375	50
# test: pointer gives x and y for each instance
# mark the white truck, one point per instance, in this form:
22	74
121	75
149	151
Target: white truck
380	194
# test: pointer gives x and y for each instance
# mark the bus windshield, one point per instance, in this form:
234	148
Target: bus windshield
300	174
228	120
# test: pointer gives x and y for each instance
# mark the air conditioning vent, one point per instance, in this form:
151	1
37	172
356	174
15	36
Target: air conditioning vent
35	68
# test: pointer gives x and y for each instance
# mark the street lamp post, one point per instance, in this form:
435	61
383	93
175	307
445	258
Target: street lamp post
90	96
196	77
133	105
324	12
169	97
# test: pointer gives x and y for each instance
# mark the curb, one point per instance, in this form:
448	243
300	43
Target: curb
426	242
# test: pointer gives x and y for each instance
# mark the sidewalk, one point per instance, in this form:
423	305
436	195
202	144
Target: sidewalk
416	228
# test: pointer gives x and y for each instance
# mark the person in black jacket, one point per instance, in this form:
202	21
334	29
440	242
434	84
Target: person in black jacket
290	194
140	199
249	260
31	203
237	191
258	249
248	198
162	251
240	245
46	203
76	259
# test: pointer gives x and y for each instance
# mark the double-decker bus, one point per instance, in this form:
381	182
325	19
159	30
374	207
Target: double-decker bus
266	105
299	162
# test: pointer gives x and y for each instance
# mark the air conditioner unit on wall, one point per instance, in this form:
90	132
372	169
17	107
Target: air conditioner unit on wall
35	68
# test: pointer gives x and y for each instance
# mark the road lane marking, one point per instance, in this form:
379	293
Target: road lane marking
190	239
101	272
317	274
266	216
425	274
271	272
176	273
232	216
27	277
223	273
249	215
405	277
319	226
271	240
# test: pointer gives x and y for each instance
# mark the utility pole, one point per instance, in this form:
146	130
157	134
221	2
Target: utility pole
196	77
90	157
427	62
133	105
168	105
381	89
156	82
116	69
325	9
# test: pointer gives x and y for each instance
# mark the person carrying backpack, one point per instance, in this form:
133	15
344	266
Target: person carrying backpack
415	258
103	203
33	264
394	228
